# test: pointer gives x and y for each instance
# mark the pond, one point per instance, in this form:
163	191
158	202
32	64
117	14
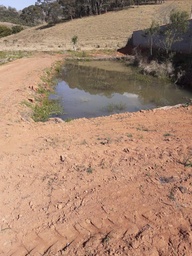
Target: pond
101	88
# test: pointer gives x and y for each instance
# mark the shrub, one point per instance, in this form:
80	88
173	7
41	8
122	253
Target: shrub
157	69
5	31
17	29
74	40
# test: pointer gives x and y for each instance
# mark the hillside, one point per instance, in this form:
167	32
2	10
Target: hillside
110	30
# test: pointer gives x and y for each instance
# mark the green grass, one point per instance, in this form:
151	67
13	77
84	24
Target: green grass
142	128
166	134
58	67
103	51
44	108
7	56
189	164
42	89
89	170
106	239
27	103
171	195
78	54
88	55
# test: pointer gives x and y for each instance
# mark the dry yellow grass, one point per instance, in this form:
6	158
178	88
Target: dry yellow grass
8	24
110	30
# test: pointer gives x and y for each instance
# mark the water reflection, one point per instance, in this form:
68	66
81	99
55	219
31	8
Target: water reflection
91	89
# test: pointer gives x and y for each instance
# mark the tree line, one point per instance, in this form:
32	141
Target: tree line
9	15
53	11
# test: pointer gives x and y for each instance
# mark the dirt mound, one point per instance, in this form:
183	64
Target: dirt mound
110	30
117	185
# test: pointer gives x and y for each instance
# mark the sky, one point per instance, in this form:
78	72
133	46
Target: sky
18	4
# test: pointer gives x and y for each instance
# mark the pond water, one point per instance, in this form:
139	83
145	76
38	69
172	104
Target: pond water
100	88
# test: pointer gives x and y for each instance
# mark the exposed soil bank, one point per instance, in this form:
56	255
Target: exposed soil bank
117	185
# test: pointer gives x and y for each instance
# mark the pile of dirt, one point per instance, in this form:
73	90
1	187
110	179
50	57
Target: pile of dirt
117	185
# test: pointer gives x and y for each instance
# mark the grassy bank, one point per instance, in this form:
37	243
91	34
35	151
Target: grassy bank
44	107
7	56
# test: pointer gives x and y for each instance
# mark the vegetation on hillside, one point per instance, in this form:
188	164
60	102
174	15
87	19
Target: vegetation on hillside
9	15
69	9
163	60
6	31
8	56
169	34
53	11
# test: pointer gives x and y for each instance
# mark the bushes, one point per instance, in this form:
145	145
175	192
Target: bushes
6	31
154	68
17	29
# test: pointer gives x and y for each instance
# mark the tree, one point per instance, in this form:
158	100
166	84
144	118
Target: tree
32	15
9	15
173	32
52	10
151	33
55	10
74	40
54	13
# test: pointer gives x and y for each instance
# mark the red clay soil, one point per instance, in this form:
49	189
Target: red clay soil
117	185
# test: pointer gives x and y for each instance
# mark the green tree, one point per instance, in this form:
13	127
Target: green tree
173	32
54	13
68	7
9	15
151	34
74	40
32	15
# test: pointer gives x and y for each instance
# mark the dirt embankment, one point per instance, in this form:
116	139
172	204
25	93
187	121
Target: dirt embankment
117	185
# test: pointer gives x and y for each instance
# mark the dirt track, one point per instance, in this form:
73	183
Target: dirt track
117	185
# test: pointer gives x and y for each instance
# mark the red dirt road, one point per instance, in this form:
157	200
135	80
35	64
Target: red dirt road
117	185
